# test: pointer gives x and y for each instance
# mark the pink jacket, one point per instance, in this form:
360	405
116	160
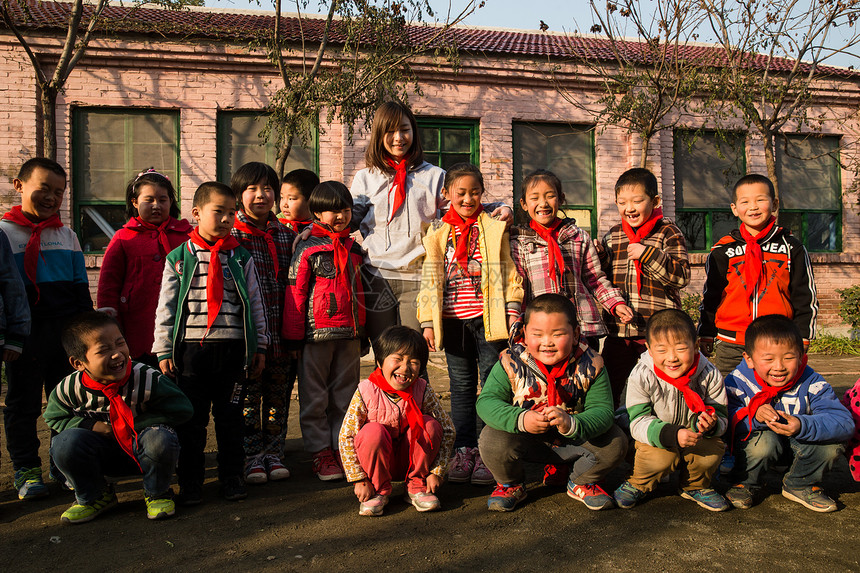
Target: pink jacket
383	411
130	279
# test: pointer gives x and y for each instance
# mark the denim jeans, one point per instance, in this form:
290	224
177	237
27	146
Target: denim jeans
764	447
86	457
467	353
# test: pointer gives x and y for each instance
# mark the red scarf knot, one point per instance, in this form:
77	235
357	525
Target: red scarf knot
266	235
460	229
341	253
121	418
163	241
215	277
553	376
33	250
550	237
694	402
296	226
637	235
754	258
398	186
414	415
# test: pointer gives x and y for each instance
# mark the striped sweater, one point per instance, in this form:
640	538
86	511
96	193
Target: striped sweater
153	399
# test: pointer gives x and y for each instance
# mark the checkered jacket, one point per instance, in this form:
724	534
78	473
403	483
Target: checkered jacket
665	271
583	278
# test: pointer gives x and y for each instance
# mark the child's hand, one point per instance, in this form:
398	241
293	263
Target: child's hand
303	236
504	213
688	438
624	313
430	337
433	483
635	250
364	490
535	422
102	428
766	414
598	245
257	365
512	320
706	422
790	428
10	355
559	418
108	310
167	367
706	346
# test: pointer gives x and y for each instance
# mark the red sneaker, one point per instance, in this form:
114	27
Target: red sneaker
555	475
325	466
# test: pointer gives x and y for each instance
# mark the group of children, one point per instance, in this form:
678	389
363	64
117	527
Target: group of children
223	317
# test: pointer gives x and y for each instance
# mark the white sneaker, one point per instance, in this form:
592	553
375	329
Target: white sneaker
255	471
274	467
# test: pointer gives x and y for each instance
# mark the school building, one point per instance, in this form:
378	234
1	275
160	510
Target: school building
182	91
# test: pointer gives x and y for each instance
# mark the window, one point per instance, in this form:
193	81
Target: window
567	151
707	164
448	141
810	189
238	141
109	147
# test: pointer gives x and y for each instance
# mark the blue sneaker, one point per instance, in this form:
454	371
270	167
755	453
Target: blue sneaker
28	482
626	496
506	497
707	498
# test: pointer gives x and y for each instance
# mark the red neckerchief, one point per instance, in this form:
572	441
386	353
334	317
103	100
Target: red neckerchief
550	236
121	418
398	186
266	235
461	242
163	241
754	258
215	278
294	225
414	415
34	244
765	396
636	236
341	253
552	376
694	402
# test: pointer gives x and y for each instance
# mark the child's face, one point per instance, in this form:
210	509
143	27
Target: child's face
541	201
634	204
337	220
549	337
258	200
107	355
753	206
398	141
464	195
775	362
41	194
293	205
215	217
152	203
672	353
400	369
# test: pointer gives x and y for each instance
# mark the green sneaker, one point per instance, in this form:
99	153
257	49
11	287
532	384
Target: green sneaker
83	513
28	482
161	507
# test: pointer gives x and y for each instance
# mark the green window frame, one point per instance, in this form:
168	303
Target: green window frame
706	164
810	189
449	141
238	141
109	147
568	151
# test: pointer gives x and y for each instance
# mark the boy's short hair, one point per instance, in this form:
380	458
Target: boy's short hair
206	190
250	174
752	179
670	320
549	303
544	175
774	327
461	170
302	179
401	338
79	327
329	196
638	176
32	164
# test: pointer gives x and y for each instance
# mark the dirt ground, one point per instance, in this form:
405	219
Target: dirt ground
302	524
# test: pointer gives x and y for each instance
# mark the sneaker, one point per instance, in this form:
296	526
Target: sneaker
812	497
190	495
28	482
255	471
591	494
556	475
626	496
462	465
740	496
481	475
727	464
160	507
422	500
275	469
506	497
373	507
233	488
707	498
79	513
325	466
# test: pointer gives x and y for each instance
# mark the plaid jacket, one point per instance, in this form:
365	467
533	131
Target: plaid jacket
665	271
583	278
273	288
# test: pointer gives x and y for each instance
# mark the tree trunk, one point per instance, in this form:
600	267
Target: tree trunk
770	162
643	156
283	154
48	102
